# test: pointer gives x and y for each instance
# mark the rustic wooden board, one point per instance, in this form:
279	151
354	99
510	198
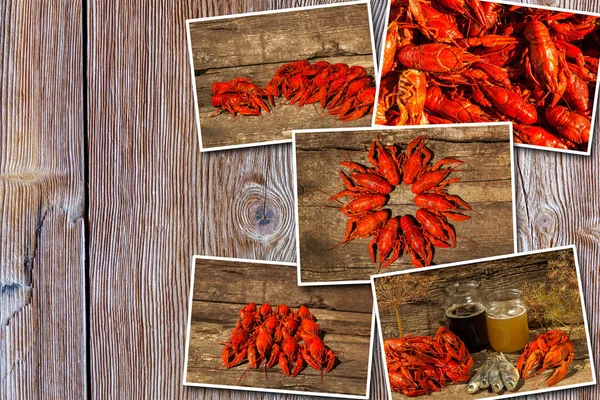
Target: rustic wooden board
485	184
423	316
155	200
42	244
255	47
343	312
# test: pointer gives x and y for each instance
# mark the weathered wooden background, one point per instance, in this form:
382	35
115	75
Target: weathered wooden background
255	47
222	287
423	315
104	198
486	184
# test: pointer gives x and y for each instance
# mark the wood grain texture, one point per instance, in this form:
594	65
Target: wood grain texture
255	47
42	244
422	316
222	287
557	204
485	184
155	199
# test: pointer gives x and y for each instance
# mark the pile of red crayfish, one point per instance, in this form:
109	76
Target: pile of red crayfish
347	92
420	365
454	61
269	336
368	188
548	350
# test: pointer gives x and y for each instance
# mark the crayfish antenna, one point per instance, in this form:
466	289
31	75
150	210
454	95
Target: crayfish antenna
330	196
244	373
469	239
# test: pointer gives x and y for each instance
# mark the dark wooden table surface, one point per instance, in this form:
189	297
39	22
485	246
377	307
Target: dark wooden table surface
422	316
222	287
255	47
104	197
485	183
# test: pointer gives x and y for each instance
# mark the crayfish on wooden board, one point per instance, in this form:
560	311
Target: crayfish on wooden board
344	91
449	61
268	336
419	365
368	189
549	350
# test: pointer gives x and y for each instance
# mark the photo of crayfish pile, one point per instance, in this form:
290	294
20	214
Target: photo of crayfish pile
346	92
419	365
369	187
449	61
268	336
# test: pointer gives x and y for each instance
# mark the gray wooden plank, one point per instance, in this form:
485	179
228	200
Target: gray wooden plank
281	37
42	249
557	197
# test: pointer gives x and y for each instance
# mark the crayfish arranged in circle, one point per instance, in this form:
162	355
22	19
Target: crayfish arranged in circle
345	91
268	336
420	365
449	61
368	189
549	350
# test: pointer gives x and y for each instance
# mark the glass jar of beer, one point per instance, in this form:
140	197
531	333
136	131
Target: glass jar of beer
506	318
465	313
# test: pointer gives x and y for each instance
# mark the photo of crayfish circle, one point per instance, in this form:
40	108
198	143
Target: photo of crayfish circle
368	189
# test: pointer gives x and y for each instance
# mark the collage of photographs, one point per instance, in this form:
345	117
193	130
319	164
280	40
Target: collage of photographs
405	219
299	199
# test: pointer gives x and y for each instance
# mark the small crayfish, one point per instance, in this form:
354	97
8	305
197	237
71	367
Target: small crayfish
549	350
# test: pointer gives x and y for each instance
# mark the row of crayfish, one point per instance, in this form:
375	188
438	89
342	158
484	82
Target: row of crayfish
280	335
420	365
347	92
368	188
450	61
549	350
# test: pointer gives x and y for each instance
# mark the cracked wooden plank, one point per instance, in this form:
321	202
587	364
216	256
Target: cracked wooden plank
344	314
485	184
42	245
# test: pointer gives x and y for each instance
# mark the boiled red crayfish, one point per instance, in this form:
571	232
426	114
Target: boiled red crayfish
549	350
347	92
419	365
368	189
267	336
463	61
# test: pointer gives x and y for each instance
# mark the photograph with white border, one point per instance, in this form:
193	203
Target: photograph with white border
571	129
511	325
251	327
257	76
466	201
